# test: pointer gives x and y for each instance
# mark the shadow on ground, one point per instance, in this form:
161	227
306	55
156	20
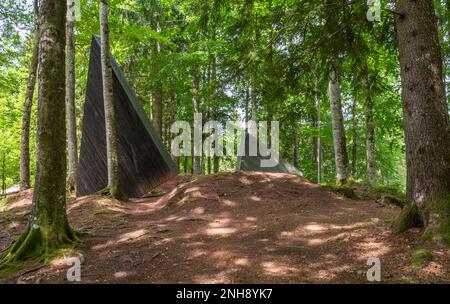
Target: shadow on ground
233	228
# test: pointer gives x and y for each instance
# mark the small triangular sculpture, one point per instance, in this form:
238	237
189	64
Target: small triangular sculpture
143	160
253	163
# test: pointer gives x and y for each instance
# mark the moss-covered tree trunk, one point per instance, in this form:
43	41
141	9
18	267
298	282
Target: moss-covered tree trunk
370	135
296	145
48	228
70	97
337	121
427	130
114	186
26	116
354	136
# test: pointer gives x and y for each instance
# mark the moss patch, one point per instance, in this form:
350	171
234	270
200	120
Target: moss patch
438	228
421	257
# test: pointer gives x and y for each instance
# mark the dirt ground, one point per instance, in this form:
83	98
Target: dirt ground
232	228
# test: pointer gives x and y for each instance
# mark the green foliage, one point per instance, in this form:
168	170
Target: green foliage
282	45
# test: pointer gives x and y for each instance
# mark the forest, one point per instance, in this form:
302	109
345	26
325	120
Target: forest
92	93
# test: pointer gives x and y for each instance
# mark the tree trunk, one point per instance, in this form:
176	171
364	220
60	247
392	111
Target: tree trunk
319	143
296	146
196	160
158	114
354	139
253	100
427	129
339	140
448	17
370	137
70	98
110	120
48	227
25	135
150	105
4	174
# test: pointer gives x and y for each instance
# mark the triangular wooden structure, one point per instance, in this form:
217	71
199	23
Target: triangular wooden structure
143	160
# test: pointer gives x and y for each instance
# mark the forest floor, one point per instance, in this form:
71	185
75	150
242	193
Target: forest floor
231	228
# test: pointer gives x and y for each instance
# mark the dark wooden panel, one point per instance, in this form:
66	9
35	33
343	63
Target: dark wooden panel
144	162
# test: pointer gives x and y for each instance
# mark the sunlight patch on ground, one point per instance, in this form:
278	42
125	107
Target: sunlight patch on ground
198	210
220	231
132	235
277	268
242	262
229	203
370	248
255	198
121	275
313	227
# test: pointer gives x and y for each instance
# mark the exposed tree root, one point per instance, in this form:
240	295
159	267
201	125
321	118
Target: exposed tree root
435	218
39	243
115	192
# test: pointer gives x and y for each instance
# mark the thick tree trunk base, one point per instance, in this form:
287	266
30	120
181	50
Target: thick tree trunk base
39	243
435	220
438	224
115	192
348	181
407	219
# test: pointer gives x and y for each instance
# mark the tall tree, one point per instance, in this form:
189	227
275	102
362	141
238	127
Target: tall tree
334	95
158	107
354	137
31	83
70	97
337	121
48	227
370	134
113	186
196	160
427	129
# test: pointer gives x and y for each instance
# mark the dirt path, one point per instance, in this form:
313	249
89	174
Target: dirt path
233	228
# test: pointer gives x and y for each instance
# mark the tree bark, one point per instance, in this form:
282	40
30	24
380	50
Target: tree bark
196	160
296	146
150	105
158	114
4	174
354	139
337	119
448	17
110	120
253	101
370	137
31	83
319	144
427	128
48	227
70	98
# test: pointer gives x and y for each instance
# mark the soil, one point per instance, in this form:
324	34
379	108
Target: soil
231	228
